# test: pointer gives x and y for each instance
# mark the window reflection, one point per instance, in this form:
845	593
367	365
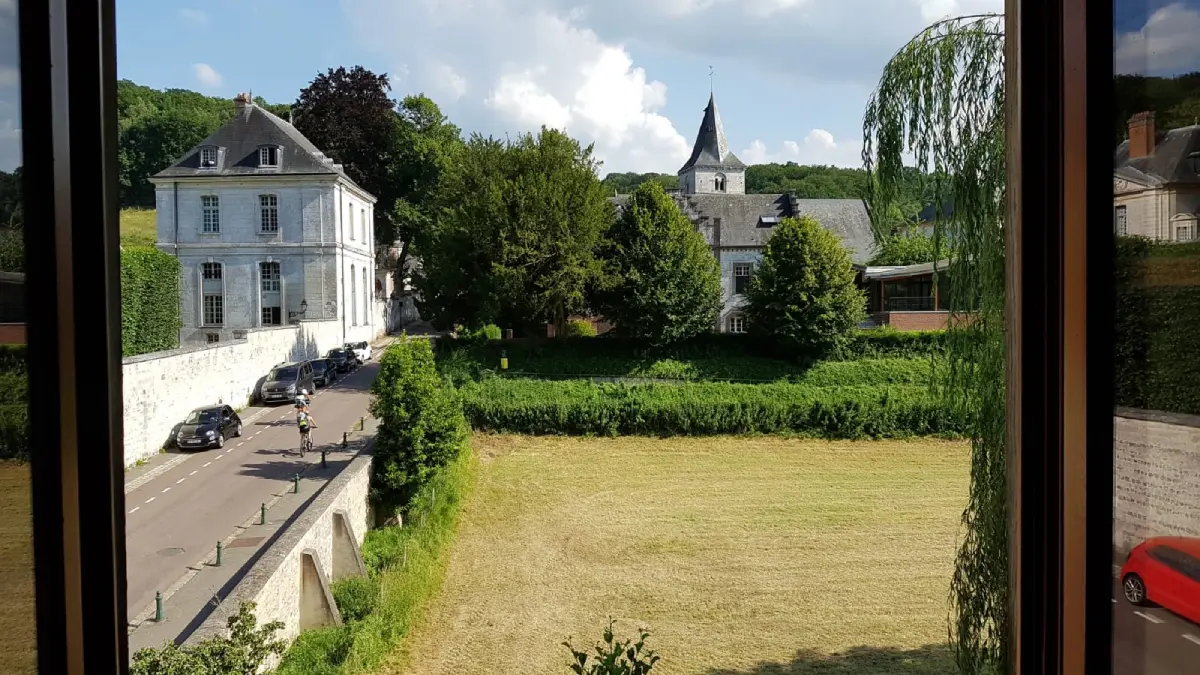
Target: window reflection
18	639
1156	205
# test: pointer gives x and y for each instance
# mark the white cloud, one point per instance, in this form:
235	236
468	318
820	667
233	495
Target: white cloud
194	16
1165	45
818	147
523	67
206	76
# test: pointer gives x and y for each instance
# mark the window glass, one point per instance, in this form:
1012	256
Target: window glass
1156	424
18	648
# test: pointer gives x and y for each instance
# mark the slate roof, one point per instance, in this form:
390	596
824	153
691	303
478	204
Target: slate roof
711	149
1167	164
240	140
742	223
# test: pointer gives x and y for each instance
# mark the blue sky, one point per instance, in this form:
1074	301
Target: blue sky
792	76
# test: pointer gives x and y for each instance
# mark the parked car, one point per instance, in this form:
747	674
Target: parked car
361	350
343	359
208	427
285	380
1165	571
324	372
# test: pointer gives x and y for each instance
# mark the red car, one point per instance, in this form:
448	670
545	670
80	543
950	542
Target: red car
1165	571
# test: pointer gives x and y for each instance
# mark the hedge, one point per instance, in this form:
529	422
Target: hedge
150	319
14	403
581	408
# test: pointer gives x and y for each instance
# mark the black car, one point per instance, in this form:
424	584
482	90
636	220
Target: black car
324	372
286	380
208	427
342	359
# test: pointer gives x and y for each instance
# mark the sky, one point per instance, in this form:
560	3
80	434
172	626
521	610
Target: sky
791	77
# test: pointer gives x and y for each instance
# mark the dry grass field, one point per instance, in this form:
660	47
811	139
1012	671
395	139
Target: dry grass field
18	634
741	556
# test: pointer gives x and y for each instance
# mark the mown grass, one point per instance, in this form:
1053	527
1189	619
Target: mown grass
138	227
18	632
407	565
741	556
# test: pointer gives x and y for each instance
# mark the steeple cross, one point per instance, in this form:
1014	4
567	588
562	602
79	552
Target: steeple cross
710	79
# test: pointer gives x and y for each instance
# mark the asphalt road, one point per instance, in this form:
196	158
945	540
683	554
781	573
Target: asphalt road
1152	640
173	519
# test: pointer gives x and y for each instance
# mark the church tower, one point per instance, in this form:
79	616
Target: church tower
712	168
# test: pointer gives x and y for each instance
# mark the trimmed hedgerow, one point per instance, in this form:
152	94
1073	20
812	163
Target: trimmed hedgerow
149	301
711	408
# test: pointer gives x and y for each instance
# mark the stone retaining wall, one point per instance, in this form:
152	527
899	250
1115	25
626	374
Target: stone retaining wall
1156	490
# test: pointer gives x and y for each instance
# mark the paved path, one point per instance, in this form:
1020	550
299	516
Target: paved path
179	506
1152	640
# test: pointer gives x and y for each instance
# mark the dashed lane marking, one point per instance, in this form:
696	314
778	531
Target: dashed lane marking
166	489
206	465
138	507
1149	617
195	472
181	479
1191	638
218	457
150	500
1114	601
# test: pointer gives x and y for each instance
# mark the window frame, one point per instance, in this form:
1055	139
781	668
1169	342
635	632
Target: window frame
215	154
1121	220
268	152
204	295
736	323
268	213
210	225
741	282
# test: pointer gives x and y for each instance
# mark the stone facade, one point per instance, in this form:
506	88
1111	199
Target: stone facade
1156	490
162	387
275	581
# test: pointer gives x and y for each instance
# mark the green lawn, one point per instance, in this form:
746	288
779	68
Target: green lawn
741	556
18	633
138	227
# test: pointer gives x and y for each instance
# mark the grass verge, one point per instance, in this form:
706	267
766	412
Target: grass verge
139	227
406	566
18	632
741	556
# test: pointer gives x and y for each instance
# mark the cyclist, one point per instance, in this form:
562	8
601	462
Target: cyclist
305	422
302	399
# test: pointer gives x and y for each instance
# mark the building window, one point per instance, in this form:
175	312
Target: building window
362	219
268	155
366	299
719	182
1121	227
741	278
268	206
1184	232
269	272
737	323
212	338
212	281
210	207
271	285
350	217
353	297
208	158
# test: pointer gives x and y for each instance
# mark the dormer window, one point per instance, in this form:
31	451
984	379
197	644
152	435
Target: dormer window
208	158
268	156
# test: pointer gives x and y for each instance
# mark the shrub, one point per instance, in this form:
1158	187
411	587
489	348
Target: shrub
803	294
912	248
149	301
614	658
242	652
485	334
579	328
704	409
421	422
662	283
355	597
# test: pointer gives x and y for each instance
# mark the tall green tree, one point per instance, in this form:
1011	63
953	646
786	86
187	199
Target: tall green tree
662	282
428	145
910	248
803	294
514	242
348	114
941	101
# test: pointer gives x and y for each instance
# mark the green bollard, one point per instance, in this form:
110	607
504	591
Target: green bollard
345	436
504	359
296	484
262	515
323	464
362	424
220	553
158	606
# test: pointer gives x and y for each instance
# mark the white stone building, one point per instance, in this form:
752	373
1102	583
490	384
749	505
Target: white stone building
1156	182
268	230
736	225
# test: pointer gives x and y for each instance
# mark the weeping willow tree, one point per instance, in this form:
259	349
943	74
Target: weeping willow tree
940	104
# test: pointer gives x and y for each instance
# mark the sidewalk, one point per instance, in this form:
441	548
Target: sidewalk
199	593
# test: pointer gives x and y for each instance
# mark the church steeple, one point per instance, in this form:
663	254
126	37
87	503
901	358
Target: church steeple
712	167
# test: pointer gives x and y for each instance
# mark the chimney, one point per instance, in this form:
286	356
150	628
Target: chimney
242	100
1141	134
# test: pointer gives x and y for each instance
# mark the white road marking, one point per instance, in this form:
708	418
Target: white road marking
156	472
1149	617
218	457
194	472
1114	601
229	451
166	489
206	464
181	480
241	444
1191	638
150	500
138	507
258	433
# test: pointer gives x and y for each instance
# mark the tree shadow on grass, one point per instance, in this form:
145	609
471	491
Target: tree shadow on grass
926	660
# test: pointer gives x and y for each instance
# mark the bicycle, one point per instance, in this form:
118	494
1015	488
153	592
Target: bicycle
306	439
